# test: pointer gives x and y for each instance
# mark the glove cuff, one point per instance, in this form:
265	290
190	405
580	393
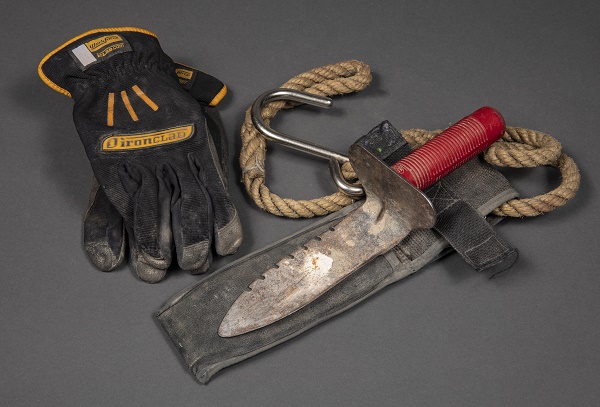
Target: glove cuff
73	58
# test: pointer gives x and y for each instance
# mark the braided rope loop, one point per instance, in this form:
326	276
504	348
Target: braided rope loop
518	148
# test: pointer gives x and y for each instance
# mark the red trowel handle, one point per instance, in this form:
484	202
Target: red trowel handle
451	148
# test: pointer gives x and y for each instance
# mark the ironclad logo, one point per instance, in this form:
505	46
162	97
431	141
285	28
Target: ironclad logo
147	140
184	75
96	44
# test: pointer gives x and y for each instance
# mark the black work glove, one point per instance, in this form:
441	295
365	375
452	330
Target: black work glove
104	234
150	145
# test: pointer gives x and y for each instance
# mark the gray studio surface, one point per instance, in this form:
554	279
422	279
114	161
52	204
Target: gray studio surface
73	336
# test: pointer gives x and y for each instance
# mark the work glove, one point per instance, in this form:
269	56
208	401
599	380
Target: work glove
153	151
104	234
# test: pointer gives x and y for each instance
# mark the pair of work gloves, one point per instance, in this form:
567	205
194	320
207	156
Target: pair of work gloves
157	150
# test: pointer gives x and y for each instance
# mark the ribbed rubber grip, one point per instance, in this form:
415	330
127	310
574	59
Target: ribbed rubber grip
451	148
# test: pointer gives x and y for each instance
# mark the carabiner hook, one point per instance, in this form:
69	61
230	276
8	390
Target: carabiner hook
335	159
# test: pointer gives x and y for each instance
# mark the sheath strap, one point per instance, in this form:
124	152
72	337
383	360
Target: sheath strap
469	233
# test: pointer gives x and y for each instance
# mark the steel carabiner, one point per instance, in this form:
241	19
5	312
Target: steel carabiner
335	159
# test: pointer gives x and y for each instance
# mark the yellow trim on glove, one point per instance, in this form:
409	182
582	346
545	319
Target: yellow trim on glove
219	96
57	88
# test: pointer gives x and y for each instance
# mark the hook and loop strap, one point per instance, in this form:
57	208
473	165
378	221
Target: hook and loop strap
518	148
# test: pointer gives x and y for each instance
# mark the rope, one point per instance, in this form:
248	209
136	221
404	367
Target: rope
518	148
523	148
330	80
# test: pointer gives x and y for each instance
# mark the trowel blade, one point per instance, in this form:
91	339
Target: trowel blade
391	210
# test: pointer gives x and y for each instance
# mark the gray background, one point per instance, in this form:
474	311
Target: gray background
73	336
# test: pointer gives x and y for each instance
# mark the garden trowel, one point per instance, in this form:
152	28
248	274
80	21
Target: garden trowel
394	205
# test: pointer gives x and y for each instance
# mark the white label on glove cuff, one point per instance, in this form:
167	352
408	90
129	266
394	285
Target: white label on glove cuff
83	55
99	49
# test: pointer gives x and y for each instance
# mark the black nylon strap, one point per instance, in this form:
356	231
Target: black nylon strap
458	222
469	233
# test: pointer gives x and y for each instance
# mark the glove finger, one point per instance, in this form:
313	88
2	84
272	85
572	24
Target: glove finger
150	226
144	270
103	231
227	226
191	222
